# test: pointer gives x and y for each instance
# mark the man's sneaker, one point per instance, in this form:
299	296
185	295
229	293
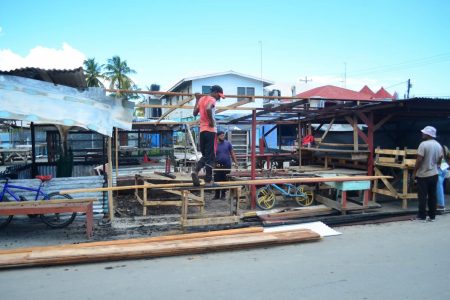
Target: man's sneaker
210	184
195	179
422	220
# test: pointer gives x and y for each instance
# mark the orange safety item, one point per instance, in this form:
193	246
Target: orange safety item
309	139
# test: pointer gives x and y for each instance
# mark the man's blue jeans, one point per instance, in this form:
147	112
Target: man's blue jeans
440	188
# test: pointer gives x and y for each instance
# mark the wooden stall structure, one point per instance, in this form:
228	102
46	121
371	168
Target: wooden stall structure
149	197
395	161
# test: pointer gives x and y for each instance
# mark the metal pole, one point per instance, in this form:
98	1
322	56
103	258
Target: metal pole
299	143
34	170
253	161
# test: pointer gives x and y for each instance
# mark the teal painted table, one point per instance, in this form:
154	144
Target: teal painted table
345	186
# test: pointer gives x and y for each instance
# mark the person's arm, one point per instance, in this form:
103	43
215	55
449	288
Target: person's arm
209	113
233	157
196	110
419	161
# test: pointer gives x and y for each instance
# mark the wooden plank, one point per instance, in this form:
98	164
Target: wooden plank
388	185
157	239
211	221
390	151
183	102
386	159
219	108
68	255
385	192
172	203
239	103
328	202
45	202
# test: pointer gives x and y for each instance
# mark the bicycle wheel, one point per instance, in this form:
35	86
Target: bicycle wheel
303	198
58	220
5	220
265	197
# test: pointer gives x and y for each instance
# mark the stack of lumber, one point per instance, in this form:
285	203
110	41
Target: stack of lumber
151	247
273	217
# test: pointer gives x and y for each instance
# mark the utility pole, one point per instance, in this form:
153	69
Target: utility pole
306	80
345	75
408	87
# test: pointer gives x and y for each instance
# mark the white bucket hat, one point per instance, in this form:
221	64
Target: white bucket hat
429	130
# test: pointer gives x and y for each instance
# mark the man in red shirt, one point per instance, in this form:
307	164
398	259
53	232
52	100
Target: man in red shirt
206	106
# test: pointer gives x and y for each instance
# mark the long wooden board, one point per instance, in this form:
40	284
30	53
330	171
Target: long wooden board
236	182
70	255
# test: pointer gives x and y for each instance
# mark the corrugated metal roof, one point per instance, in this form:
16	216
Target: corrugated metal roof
73	78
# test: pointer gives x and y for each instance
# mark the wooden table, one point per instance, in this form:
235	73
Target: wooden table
342	188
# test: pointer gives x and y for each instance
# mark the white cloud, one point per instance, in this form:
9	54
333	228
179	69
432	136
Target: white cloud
42	57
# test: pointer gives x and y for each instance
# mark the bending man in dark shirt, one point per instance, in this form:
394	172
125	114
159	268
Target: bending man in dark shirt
224	155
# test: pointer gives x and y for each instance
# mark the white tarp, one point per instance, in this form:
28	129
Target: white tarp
45	103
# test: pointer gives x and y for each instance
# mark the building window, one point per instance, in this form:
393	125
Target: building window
206	89
247	91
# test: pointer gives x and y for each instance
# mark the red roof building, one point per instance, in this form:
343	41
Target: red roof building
334	92
382	94
366	90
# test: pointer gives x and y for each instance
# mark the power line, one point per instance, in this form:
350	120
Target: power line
406	64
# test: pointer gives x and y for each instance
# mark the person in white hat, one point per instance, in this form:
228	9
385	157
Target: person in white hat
429	156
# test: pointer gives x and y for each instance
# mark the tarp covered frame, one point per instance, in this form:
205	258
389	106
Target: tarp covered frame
46	103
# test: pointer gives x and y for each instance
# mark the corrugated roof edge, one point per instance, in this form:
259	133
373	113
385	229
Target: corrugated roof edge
73	78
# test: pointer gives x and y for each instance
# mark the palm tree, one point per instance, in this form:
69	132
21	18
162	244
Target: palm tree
93	73
117	71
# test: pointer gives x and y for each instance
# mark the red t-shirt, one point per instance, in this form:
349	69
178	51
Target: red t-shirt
203	102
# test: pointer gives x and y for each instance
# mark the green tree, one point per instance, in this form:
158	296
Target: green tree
117	72
93	73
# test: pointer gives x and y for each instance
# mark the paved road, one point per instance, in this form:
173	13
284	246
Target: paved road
404	260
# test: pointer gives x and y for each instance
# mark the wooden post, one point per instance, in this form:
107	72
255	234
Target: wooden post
191	138
117	153
299	143
355	134
110	192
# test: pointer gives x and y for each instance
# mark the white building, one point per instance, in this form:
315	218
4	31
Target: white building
232	83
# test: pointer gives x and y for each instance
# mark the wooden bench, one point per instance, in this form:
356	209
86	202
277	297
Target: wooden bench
83	205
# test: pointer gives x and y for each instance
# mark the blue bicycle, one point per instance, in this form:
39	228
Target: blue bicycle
57	220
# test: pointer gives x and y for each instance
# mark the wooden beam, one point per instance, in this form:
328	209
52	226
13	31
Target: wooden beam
193	95
183	102
224	184
222	108
382	122
237	104
77	254
328	129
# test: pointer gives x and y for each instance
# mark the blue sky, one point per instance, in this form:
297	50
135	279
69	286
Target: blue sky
379	43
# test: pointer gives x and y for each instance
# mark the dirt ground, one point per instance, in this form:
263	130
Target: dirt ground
128	223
